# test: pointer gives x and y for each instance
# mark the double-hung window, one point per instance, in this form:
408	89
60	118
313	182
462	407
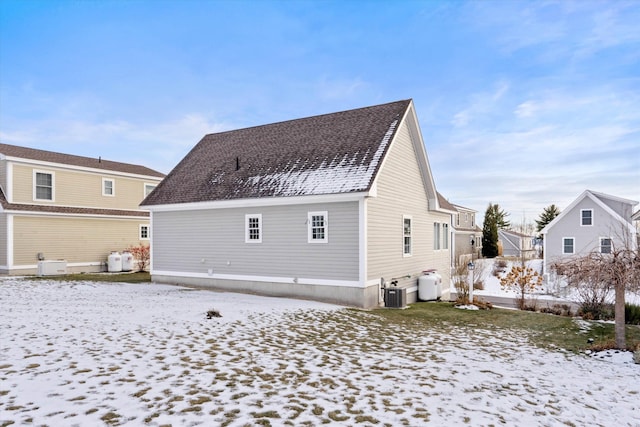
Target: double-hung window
586	217
43	184
436	236
605	245
317	227
445	236
253	228
568	245
406	236
108	187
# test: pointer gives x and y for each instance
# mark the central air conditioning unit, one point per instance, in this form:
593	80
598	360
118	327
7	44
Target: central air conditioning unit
52	268
395	297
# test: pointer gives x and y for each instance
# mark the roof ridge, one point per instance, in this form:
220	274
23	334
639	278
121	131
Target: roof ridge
314	116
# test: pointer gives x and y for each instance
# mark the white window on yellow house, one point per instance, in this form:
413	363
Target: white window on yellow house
145	232
148	188
406	236
108	187
43	185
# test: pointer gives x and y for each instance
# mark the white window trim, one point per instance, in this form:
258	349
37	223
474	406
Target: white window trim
586	225
113	187
247	217
445	236
573	246
600	245
437	236
144	188
310	216
148	227
410	253
53	185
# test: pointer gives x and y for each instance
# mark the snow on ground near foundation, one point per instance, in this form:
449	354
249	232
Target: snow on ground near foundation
554	292
145	354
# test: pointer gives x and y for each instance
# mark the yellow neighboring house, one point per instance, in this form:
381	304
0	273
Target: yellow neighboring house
56	206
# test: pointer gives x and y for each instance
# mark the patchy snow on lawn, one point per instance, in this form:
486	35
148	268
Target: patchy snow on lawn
145	354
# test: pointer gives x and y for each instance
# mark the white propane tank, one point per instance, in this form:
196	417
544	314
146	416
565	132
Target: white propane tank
114	262
127	261
429	286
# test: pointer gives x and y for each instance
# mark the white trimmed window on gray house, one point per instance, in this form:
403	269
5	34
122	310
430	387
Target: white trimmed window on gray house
586	217
318	227
108	187
253	228
43	185
605	245
144	232
568	245
406	235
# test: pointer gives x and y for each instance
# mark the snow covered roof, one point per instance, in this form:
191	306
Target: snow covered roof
326	154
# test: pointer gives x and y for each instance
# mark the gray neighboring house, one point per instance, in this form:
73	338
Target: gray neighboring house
593	222
515	244
326	207
467	241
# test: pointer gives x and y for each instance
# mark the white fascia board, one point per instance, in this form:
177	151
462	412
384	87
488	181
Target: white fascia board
259	202
53	165
74	215
269	279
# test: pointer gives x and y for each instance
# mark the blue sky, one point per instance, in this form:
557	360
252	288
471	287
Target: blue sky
524	104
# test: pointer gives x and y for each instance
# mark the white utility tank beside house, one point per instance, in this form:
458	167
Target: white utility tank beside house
330	207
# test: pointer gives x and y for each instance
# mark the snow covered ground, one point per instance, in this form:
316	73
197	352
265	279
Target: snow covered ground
87	354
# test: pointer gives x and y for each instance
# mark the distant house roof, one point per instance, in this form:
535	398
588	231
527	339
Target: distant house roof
597	198
514	233
68	159
326	154
444	204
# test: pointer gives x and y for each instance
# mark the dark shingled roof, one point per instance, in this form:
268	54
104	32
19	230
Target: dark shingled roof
67	209
68	159
327	154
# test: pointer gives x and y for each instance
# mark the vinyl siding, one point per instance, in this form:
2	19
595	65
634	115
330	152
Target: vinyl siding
3	239
400	191
75	239
80	189
586	238
203	240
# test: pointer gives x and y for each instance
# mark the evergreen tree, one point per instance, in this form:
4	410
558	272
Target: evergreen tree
549	213
494	219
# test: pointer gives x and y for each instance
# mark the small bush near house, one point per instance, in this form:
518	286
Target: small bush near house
558	310
596	311
499	267
142	255
632	314
524	281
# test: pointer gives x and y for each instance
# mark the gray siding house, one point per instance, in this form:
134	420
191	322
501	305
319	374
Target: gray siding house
326	207
593	222
467	240
515	244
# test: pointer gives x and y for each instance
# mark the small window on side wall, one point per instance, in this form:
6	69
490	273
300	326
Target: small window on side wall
605	245
586	217
108	187
148	188
407	236
567	245
145	232
43	185
253	228
317	227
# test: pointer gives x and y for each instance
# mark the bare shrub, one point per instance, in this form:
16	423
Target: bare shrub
524	281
